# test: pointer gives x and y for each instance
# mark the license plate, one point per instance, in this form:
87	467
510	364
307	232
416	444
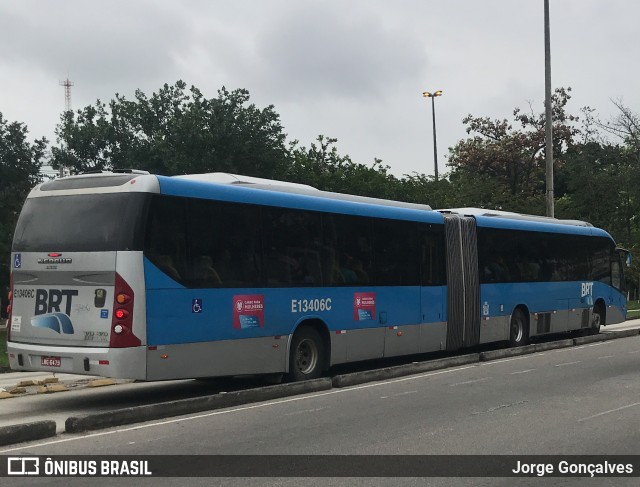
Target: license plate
50	361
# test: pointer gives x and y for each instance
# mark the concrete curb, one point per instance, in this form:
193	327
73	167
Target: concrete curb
543	347
150	412
19	433
605	336
507	352
356	378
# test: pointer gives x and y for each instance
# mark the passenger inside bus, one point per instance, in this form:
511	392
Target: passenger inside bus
165	263
204	272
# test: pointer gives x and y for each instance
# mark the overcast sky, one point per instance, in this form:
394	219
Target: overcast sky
350	69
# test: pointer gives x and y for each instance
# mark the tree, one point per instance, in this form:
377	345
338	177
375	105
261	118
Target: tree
20	163
322	167
511	155
174	131
602	188
625	126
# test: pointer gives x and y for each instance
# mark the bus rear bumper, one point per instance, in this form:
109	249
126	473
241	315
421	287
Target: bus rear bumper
117	363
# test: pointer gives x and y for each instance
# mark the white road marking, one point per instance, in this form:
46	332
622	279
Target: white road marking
568	363
609	411
304	411
606	356
404	393
473	381
240	409
522	371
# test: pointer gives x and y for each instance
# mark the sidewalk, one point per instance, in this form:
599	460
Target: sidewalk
12	379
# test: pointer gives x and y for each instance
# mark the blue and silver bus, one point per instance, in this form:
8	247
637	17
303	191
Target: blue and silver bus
132	275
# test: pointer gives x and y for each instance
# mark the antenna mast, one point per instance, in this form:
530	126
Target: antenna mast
67	83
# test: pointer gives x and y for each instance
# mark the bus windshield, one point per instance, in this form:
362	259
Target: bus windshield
81	223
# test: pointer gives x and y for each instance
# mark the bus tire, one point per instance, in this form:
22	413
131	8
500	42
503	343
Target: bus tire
598	317
306	357
518	329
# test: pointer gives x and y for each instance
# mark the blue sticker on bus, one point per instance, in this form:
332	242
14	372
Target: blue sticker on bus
17	261
58	322
196	305
249	321
104	313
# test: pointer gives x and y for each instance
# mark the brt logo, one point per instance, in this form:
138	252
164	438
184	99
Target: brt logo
587	289
51	300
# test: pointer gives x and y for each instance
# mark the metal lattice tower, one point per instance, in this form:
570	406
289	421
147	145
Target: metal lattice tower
67	83
67	93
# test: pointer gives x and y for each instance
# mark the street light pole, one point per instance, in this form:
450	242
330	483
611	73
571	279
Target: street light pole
428	94
548	113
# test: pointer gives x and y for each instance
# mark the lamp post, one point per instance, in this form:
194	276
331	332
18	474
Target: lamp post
548	114
428	94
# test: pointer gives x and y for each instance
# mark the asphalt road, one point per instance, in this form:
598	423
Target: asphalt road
80	400
579	400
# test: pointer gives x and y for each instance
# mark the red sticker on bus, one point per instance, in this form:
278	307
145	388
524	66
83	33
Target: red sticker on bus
364	306
248	311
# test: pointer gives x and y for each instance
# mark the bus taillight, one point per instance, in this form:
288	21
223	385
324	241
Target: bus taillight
122	323
121	314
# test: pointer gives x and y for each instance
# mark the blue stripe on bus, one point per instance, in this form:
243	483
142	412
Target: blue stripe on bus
170	318
242	194
540	297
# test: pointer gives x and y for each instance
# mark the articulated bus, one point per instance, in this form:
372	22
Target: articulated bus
132	275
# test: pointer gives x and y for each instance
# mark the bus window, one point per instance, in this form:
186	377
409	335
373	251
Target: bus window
165	243
223	244
617	277
81	223
396	253
292	247
347	250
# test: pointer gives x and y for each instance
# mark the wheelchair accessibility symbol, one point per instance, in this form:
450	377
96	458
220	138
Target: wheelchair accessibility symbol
196	305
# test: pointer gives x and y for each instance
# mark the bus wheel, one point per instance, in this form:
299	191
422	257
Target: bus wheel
518	330
597	318
306	358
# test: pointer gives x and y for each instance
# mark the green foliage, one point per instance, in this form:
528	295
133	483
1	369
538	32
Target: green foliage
323	167
502	166
174	132
20	163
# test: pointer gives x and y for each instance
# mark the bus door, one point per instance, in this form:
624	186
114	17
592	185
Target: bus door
463	287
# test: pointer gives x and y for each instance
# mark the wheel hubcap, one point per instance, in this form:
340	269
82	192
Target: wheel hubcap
306	356
517	330
595	322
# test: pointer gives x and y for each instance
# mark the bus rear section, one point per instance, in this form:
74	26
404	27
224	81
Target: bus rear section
77	300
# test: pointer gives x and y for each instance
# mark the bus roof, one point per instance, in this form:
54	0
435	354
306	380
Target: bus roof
245	189
520	221
514	216
276	193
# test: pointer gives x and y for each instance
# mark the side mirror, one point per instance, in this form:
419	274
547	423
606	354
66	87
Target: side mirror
625	255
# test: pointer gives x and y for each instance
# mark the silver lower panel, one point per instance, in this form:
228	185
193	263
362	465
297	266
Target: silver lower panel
210	359
119	363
